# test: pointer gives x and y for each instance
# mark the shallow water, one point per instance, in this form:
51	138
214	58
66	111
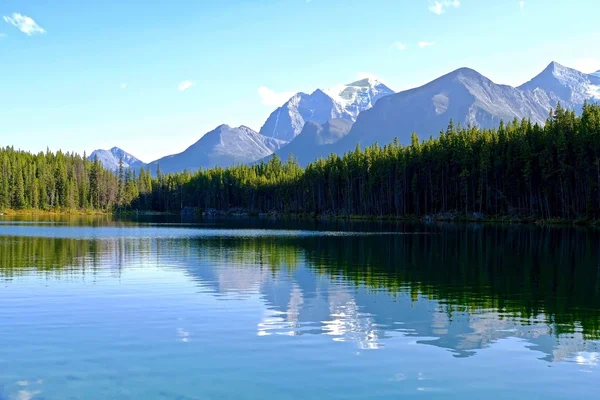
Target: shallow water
255	309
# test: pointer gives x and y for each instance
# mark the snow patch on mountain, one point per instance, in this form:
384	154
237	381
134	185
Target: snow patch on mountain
350	100
563	85
340	102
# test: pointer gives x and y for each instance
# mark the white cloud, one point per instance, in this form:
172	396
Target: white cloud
522	4
185	85
422	45
25	24
400	46
439	6
271	98
587	65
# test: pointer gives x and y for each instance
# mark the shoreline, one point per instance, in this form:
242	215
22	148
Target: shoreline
21	213
441	217
236	213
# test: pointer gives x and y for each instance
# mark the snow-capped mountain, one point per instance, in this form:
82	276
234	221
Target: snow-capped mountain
558	83
320	123
224	146
464	96
340	102
110	159
356	97
468	98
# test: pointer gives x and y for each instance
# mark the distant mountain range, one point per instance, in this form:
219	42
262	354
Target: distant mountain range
224	146
364	112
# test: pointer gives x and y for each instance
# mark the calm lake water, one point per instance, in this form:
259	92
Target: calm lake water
254	309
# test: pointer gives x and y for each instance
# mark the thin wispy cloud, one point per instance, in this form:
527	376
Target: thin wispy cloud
400	46
123	85
422	45
439	6
185	85
521	5
587	65
2	35
25	24
271	98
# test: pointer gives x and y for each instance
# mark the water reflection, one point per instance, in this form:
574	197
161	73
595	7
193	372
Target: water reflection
461	288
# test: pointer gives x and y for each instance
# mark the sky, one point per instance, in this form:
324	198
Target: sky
153	76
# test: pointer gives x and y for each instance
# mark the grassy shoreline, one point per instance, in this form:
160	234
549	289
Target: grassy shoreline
78	212
20	213
448	217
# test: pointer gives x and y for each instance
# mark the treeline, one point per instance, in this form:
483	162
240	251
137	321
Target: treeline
54	181
550	171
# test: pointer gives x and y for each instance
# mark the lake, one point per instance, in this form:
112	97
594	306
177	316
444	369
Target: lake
95	308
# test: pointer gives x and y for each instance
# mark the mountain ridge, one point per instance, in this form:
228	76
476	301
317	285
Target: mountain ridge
375	114
223	146
340	102
110	159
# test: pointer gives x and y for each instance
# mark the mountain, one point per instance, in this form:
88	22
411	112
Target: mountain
558	83
340	102
464	96
356	97
224	146
110	159
320	123
315	140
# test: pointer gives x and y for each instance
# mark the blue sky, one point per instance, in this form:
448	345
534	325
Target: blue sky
153	76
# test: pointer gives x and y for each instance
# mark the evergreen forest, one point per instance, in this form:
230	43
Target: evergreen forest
522	169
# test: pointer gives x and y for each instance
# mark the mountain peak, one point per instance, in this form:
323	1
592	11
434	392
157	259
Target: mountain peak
554	65
223	146
465	71
365	82
339	102
318	92
558	69
557	83
110	159
463	74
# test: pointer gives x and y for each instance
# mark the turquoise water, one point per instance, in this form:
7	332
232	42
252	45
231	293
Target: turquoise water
286	310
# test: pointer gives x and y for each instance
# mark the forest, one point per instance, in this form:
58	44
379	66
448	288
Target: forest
517	169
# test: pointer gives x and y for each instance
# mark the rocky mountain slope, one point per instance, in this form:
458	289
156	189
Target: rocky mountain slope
110	159
340	102
224	146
